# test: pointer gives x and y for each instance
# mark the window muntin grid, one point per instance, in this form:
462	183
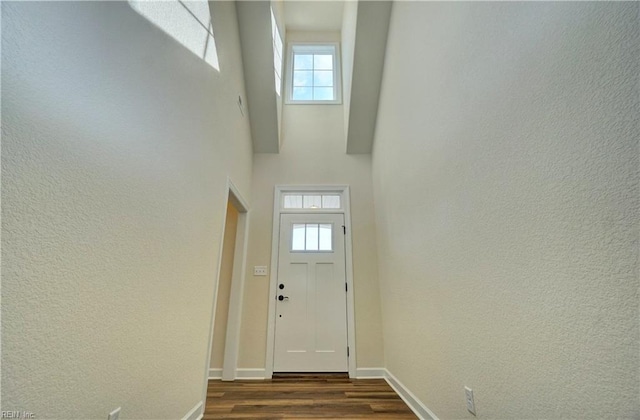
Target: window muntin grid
312	201
313	74
314	237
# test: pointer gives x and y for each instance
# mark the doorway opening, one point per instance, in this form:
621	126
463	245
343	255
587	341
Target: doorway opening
224	336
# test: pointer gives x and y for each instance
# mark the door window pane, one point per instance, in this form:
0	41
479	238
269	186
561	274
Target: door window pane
312	237
325	238
298	241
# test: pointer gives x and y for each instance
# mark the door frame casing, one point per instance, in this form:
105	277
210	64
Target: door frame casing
278	209
232	339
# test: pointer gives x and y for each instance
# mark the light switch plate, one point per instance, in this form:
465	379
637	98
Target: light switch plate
260	270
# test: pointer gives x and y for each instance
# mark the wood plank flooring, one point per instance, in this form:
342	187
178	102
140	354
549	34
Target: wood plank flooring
305	396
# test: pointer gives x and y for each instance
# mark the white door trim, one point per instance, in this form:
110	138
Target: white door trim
344	191
232	340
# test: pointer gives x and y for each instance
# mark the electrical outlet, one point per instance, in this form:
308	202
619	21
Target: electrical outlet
260	270
471	405
115	414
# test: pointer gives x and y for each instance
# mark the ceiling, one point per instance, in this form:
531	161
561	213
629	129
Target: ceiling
313	15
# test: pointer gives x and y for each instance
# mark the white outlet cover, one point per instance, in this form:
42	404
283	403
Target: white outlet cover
115	414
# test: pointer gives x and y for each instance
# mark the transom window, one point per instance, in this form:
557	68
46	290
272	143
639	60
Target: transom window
312	201
314	76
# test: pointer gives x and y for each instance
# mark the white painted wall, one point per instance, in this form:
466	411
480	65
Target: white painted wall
257	55
506	190
312	152
367	65
117	143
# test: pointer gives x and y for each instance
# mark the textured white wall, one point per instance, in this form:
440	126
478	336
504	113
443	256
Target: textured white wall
117	142
506	191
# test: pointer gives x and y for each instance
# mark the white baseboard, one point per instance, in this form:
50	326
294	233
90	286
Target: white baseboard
240	374
370	373
251	373
418	408
195	413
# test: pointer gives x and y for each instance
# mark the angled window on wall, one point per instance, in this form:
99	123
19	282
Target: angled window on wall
314	75
188	22
277	53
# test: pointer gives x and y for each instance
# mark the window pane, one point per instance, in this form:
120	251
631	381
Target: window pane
278	42
330	201
325	238
293	201
312	237
277	52
302	94
323	62
312	202
302	78
298	240
278	83
323	78
323	94
303	61
277	63
273	25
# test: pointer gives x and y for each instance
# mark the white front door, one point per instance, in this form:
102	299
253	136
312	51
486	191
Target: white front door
311	310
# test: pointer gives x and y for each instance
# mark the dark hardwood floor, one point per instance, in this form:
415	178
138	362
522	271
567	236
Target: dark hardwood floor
305	396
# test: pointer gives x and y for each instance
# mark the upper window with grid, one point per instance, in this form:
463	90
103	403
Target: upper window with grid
314	75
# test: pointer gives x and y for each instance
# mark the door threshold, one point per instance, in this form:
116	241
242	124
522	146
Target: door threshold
310	375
